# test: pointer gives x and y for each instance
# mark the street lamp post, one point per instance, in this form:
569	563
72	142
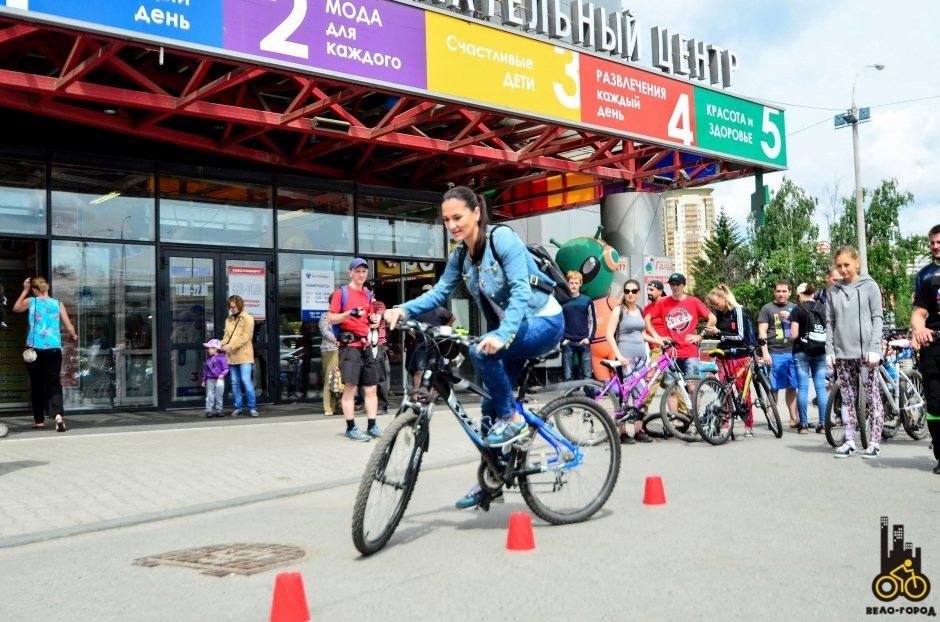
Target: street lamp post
859	206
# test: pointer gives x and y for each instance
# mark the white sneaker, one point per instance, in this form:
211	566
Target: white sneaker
848	449
873	451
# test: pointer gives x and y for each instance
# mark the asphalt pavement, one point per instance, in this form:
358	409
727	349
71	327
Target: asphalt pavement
758	529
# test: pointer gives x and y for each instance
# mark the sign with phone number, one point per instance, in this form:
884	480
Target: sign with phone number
409	47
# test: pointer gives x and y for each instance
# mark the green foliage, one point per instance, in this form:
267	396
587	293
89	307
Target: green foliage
726	257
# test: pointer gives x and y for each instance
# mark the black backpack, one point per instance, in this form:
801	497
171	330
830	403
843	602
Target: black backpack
813	336
557	285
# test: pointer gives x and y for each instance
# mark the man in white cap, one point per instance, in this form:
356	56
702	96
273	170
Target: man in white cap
351	308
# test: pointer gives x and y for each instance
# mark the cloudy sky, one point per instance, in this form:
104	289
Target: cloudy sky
805	55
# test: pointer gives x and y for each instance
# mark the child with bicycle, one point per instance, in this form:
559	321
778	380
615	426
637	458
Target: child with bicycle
627	338
731	327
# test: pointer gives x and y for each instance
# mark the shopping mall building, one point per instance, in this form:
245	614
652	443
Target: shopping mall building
157	156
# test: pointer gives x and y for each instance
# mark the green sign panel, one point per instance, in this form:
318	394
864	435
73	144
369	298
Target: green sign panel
737	127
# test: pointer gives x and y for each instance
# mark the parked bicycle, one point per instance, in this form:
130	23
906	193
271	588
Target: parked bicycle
617	395
566	466
718	402
902	394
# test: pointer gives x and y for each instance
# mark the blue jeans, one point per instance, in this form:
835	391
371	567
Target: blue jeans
241	376
568	370
689	367
815	365
500	371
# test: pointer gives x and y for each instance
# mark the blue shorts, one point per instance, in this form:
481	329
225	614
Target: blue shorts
783	372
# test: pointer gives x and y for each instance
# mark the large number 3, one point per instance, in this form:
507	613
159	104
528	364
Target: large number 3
572	101
277	40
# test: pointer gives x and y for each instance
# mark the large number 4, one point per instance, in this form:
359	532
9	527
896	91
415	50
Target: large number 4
277	40
769	127
679	123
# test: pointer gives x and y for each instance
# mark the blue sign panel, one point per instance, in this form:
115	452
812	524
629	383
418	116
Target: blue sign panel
193	21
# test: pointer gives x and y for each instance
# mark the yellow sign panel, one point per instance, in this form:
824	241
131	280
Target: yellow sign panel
484	64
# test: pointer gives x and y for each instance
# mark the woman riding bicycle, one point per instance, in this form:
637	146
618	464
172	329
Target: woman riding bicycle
626	334
730	327
497	269
853	339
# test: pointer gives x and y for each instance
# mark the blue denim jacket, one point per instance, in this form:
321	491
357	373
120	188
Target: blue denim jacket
506	283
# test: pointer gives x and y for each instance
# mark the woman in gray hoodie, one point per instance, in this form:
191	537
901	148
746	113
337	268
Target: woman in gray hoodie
854	319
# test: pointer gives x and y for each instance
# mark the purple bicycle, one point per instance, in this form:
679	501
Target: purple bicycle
625	398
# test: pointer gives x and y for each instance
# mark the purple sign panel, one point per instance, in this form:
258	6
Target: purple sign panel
374	39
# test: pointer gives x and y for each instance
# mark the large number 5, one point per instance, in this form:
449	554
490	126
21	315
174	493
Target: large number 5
277	40
769	127
570	101
679	124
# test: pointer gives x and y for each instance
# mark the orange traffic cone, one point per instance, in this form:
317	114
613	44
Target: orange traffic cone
520	537
290	602
654	494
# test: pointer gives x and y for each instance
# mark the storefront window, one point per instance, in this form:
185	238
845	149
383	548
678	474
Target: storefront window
198	211
400	228
99	203
305	283
314	220
22	197
109	293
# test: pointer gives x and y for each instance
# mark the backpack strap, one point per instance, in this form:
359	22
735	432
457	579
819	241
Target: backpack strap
535	281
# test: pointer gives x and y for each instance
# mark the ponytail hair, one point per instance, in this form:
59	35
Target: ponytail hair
472	201
724	291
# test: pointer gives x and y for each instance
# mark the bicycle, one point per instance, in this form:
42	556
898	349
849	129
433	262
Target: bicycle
564	477
902	396
718	401
626	409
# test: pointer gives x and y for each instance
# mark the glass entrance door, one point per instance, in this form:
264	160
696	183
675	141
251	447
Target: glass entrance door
197	286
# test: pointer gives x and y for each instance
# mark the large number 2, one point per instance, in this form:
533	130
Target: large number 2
769	127
277	40
679	122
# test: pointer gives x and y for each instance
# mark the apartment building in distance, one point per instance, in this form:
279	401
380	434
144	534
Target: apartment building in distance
688	220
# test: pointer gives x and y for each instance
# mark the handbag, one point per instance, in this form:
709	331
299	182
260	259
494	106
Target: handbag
336	384
29	354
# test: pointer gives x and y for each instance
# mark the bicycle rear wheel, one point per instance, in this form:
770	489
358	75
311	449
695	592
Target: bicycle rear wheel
714	411
911	401
553	485
387	484
835	427
678	422
592	389
767	403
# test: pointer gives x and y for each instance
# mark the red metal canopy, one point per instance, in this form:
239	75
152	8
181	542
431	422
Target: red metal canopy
326	128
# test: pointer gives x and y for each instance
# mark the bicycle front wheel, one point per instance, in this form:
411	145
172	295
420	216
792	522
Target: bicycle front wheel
911	401
765	400
387	484
714	411
555	486
678	421
835	427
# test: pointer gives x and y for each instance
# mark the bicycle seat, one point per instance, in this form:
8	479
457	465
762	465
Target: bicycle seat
900	343
613	365
716	352
733	353
551	354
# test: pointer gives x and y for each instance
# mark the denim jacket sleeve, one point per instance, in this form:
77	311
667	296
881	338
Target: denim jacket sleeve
513	258
453	275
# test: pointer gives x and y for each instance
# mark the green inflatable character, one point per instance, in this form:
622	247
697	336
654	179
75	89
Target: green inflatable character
594	258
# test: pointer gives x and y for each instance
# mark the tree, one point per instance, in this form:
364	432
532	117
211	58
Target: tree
784	248
726	257
890	254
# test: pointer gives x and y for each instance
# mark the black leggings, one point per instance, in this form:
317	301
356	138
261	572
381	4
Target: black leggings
45	386
930	369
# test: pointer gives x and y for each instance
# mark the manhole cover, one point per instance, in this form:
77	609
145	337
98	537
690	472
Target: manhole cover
222	559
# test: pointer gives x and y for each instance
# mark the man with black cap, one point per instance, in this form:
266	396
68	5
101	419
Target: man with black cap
351	308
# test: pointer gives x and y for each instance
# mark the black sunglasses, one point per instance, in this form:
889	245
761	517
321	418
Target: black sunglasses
630	291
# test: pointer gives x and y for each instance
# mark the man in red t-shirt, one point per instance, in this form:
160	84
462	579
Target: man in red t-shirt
357	363
679	315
